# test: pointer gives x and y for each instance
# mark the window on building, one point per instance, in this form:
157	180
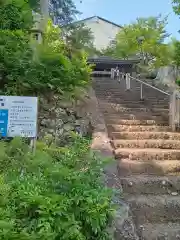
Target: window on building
36	36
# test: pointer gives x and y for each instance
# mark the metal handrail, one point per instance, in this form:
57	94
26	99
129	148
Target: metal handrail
150	86
174	100
144	83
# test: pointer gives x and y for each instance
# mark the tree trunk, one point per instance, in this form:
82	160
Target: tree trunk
44	5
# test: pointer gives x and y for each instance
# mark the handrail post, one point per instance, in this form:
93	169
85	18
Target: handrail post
141	97
129	80
120	76
128	83
178	112
111	73
172	111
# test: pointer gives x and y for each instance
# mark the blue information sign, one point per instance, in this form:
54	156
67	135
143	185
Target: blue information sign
18	116
3	122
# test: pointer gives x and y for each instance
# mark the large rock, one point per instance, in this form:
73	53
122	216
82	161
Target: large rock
83	127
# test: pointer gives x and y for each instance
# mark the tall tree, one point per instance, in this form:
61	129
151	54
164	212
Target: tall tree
15	14
78	36
176	6
176	43
34	4
63	11
152	33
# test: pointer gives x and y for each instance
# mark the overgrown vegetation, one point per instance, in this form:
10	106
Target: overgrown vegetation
29	68
176	58
55	194
143	39
63	10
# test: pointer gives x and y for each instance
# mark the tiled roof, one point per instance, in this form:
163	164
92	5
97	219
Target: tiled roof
105	59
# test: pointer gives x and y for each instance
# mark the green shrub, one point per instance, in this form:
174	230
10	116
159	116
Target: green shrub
28	68
15	15
15	62
56	194
25	71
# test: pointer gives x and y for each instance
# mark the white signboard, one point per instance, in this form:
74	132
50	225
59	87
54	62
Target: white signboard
18	116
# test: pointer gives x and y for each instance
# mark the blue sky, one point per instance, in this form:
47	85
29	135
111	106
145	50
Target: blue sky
125	11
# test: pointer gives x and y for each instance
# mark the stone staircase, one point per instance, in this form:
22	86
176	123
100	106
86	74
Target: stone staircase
148	155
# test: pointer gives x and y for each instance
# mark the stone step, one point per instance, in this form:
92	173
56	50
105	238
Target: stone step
157	120
116	88
145	135
114	114
158	95
169	231
145	184
140	104
147	153
133	100
131	110
116	102
154	209
165	110
136	126
162	106
134	106
127	167
115	110
110	105
148	143
131	96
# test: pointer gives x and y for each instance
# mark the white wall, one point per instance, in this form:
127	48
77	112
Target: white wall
103	32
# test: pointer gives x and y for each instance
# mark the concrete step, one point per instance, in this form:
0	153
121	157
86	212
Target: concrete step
145	184
169	231
131	126
148	143
154	209
147	154
145	135
127	167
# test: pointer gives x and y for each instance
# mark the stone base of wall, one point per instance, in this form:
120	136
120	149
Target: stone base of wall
59	117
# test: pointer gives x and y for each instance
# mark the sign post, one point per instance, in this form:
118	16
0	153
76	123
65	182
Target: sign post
18	117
